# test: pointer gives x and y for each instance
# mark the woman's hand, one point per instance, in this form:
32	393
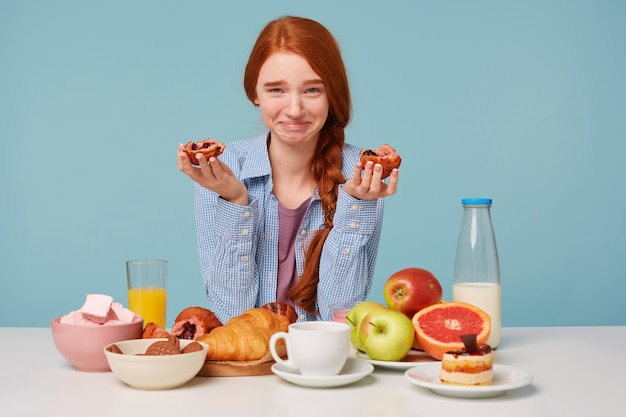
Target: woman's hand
366	182
215	176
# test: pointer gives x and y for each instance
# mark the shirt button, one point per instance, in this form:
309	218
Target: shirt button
355	207
302	317
244	258
244	232
303	232
246	214
345	251
353	225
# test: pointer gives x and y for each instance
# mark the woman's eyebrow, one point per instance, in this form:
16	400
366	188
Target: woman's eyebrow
273	83
280	82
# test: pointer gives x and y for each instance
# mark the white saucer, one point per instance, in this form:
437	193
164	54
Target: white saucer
505	378
352	371
409	361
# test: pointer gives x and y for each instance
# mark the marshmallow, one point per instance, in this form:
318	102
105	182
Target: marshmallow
96	307
75	317
99	310
122	314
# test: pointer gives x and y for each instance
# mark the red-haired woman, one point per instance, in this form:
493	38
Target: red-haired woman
290	215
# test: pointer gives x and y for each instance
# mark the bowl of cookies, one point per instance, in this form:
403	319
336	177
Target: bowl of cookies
156	364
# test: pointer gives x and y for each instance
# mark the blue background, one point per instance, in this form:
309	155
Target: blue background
523	102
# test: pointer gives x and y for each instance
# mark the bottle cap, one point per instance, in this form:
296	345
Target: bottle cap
476	201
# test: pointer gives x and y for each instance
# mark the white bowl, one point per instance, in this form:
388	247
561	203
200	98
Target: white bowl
154	372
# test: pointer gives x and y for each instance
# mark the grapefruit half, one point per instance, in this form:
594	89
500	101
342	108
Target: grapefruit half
438	328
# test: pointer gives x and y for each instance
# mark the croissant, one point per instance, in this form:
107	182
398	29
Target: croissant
245	337
264	318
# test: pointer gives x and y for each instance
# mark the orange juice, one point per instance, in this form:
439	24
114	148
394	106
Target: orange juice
149	303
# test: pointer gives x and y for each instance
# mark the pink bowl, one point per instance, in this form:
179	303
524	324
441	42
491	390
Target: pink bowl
83	345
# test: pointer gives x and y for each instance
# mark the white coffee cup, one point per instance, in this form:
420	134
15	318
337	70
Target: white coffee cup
315	348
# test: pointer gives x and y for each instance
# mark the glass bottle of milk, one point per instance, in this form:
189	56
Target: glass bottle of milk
477	269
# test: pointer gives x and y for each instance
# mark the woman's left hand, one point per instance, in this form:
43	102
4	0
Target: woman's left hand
367	184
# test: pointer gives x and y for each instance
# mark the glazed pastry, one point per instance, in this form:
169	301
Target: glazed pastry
470	366
193	322
385	155
283	309
153	331
208	148
245	337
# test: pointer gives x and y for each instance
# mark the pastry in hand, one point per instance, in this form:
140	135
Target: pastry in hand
385	155
208	148
193	322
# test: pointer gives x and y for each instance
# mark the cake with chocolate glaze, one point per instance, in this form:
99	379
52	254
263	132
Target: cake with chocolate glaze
470	366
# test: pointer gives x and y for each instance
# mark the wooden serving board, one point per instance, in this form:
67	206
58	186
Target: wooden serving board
261	366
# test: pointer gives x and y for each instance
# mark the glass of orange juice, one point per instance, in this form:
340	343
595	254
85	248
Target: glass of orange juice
147	289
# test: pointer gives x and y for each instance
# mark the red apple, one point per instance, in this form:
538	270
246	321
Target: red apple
411	289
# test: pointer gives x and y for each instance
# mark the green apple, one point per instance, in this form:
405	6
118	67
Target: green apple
386	334
355	317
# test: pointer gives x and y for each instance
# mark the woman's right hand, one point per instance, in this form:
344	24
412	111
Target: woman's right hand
215	176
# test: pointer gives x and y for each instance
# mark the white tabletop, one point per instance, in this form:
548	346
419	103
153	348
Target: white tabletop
578	371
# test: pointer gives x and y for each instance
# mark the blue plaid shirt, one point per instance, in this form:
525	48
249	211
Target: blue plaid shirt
238	245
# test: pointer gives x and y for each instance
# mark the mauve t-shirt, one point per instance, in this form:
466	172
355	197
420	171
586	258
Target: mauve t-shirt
289	221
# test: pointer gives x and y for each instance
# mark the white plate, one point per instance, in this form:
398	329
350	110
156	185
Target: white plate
505	378
409	361
352	371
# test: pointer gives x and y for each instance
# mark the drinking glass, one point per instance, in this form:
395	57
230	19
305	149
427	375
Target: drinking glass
147	289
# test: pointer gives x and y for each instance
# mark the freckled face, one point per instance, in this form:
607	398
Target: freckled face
292	98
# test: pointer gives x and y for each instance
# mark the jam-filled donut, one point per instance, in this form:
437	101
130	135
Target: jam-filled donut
385	155
193	322
208	148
